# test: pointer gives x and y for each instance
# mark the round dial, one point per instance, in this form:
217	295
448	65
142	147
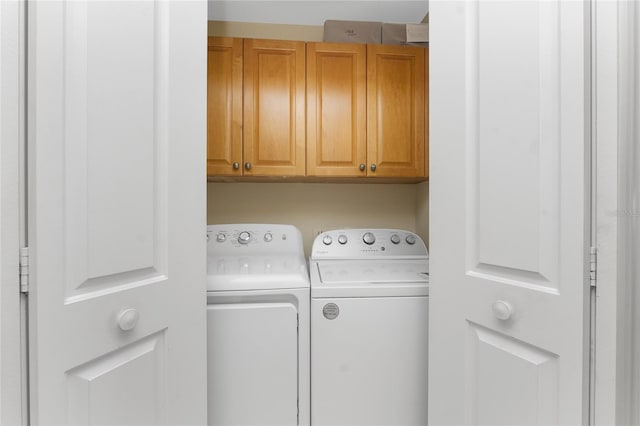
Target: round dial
268	237
342	239
410	239
221	238
244	237
327	240
395	239
369	238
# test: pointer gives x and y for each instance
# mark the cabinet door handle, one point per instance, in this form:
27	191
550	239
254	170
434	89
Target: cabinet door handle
247	165
362	167
373	167
236	166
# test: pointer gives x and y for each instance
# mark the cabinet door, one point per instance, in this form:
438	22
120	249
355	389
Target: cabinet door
224	106
396	111
336	109
274	108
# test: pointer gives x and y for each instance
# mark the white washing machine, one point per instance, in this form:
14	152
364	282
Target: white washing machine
258	326
369	328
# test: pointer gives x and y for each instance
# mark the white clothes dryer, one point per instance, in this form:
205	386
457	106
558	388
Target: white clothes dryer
369	328
257	326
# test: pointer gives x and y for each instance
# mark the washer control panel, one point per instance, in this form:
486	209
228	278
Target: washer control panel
368	243
225	240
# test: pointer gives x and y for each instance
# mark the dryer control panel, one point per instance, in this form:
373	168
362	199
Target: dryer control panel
368	244
253	239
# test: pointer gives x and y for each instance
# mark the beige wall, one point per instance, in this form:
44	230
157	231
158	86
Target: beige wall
268	31
314	207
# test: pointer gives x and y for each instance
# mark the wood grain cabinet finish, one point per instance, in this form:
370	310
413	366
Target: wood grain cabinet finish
366	111
323	110
396	78
274	108
336	109
224	106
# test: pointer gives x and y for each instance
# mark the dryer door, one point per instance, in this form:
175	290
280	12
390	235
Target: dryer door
253	363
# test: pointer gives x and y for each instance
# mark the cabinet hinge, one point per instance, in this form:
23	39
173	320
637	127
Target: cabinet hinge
593	267
24	270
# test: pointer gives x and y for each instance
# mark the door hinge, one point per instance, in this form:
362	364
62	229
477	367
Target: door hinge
593	267
24	270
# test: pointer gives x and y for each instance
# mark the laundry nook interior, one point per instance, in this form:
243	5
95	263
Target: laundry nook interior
309	153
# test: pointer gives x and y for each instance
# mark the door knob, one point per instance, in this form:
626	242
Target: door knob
362	167
128	319
247	165
502	310
236	166
373	167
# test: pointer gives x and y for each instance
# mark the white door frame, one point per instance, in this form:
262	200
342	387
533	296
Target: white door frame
616	56
13	356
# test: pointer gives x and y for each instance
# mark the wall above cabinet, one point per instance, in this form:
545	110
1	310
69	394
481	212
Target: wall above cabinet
315	12
316	111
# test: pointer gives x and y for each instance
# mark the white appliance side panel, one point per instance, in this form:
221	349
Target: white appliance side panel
369	364
253	364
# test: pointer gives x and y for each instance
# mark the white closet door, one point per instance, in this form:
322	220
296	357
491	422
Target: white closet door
117	105
509	212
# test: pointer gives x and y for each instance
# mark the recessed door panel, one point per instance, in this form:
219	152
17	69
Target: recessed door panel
336	109
515	221
224	106
274	108
124	387
396	78
519	378
110	240
252	364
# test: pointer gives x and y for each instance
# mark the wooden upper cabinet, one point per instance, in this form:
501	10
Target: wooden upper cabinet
289	108
336	109
224	106
274	108
396	110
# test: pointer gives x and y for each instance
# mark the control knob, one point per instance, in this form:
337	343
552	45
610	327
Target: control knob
221	237
268	237
369	238
410	239
342	239
395	239
244	237
327	240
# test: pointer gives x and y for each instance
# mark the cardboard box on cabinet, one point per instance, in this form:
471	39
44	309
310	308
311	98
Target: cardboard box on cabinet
406	34
352	31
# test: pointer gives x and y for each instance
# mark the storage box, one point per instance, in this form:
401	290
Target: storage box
407	34
353	31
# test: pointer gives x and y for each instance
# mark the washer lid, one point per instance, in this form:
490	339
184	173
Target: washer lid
397	271
370	279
